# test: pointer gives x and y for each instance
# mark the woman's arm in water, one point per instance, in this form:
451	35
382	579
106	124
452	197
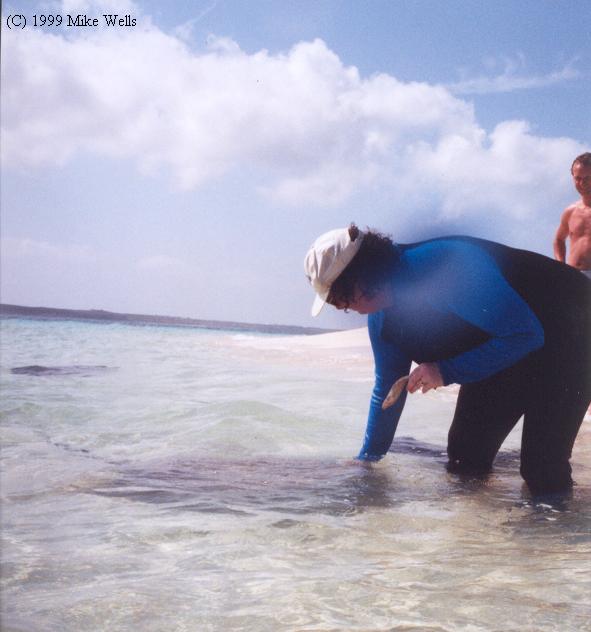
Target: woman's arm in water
390	364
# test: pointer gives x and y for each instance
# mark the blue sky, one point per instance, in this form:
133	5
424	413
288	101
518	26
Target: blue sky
184	165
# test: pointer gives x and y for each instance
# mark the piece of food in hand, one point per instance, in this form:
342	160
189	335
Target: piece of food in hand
395	392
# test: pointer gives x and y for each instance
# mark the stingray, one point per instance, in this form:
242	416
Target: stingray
247	485
74	369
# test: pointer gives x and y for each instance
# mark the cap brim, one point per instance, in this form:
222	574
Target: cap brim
317	305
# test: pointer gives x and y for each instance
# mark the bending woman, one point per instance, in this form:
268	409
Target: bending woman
512	327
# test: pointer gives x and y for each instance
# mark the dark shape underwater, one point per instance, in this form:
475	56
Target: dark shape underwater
295	486
74	369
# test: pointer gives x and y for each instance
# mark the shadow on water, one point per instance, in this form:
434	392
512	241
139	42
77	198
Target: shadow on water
565	515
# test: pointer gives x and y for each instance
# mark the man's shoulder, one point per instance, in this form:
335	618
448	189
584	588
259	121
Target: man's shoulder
566	215
575	214
576	207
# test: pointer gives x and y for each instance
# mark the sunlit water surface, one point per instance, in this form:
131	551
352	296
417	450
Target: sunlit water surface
169	479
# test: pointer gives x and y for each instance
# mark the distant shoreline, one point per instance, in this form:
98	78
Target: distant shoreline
102	316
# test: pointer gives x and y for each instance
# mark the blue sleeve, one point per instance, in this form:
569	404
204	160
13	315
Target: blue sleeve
390	364
476	291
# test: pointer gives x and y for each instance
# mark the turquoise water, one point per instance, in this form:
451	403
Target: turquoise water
176	479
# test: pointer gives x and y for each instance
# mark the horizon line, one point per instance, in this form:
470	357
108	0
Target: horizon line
101	315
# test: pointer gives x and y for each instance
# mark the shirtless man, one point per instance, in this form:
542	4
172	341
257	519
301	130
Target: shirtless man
575	223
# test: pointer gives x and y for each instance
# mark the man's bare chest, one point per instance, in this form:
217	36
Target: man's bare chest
579	224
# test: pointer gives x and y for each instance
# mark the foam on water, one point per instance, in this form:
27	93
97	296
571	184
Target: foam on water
207	484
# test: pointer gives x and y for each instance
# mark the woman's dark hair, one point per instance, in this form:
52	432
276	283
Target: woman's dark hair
369	271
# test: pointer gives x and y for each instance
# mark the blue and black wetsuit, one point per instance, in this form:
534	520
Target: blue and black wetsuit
512	327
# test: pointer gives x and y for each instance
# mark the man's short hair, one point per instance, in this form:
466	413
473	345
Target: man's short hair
584	160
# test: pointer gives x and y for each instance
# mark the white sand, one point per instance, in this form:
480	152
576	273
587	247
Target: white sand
351	338
349	350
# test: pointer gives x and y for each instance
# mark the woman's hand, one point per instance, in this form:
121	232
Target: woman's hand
426	376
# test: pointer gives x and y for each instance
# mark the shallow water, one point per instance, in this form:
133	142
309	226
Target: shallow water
193	480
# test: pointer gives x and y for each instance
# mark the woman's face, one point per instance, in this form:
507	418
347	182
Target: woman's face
364	305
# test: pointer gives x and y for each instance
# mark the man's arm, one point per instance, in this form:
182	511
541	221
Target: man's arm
562	235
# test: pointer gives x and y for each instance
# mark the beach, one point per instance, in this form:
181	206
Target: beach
168	478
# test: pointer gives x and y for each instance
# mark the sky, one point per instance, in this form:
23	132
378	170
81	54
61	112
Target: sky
182	163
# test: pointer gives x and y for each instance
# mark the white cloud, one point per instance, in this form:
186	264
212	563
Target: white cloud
510	171
313	129
512	78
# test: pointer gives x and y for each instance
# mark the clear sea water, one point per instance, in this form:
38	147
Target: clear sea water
170	479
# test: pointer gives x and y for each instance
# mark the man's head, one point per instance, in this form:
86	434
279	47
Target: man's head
583	159
581	171
357	273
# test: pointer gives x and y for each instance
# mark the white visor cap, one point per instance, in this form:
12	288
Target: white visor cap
328	256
